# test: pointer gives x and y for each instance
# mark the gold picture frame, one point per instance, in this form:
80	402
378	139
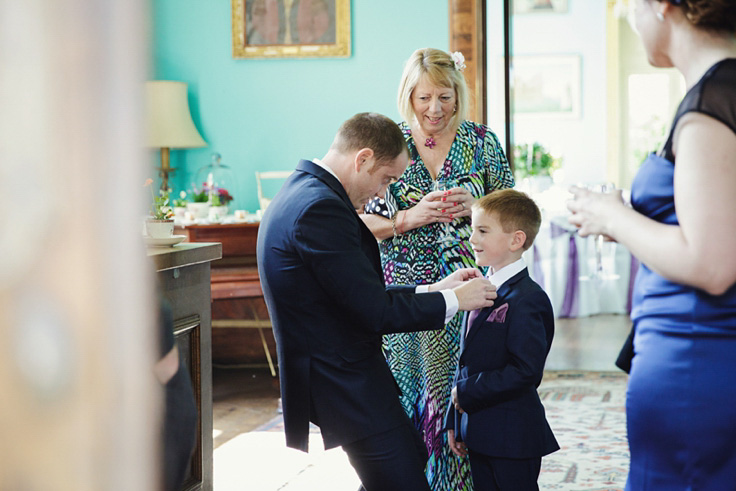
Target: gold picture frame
290	28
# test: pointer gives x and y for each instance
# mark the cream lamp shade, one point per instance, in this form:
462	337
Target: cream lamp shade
168	122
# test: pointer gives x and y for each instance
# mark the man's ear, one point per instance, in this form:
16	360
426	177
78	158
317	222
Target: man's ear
517	242
363	157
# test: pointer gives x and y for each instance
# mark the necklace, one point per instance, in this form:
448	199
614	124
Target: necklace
429	142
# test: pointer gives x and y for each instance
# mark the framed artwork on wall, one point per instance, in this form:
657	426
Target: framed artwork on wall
290	28
546	86
539	6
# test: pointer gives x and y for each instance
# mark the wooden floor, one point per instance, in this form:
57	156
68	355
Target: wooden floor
243	399
246	398
588	343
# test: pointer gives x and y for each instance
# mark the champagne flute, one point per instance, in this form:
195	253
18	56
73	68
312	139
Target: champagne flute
445	184
600	239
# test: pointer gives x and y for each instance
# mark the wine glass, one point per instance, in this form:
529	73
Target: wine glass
445	184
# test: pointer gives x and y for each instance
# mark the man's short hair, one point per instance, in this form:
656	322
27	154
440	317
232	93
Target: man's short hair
374	131
515	211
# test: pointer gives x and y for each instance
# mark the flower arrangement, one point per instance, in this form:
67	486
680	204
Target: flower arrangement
160	209
200	196
220	197
534	160
180	202
216	196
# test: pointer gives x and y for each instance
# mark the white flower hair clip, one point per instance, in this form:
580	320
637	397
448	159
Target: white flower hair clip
459	60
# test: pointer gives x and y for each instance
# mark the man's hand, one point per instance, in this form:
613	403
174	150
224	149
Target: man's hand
455	279
458	448
475	294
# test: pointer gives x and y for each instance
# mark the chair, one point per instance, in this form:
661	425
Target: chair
241	283
263	201
237	299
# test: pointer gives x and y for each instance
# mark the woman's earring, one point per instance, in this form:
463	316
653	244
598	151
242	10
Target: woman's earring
660	17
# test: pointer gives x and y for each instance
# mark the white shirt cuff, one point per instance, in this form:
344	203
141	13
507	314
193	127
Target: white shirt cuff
451	303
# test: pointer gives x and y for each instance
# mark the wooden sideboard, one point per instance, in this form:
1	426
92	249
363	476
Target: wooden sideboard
184	277
241	333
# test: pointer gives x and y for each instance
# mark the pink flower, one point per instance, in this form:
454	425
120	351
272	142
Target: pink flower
459	60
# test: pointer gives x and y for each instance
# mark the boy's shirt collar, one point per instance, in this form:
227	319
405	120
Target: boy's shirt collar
500	277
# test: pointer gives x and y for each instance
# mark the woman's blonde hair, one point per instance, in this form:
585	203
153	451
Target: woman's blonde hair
439	69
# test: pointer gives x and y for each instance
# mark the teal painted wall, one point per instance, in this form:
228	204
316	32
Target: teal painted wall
267	114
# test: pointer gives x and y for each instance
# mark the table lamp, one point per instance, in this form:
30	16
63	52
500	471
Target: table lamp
169	123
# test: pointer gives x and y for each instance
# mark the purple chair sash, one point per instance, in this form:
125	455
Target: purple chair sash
537	267
570	300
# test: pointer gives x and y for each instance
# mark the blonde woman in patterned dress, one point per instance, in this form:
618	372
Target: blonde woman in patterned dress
423	234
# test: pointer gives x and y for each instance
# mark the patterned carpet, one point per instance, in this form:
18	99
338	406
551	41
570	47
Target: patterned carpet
585	409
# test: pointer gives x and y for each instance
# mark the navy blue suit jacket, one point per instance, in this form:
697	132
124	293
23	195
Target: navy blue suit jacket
323	283
500	367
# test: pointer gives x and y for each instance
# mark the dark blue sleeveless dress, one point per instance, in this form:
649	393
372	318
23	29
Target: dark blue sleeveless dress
681	398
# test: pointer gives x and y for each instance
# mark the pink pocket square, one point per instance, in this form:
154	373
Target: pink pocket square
499	314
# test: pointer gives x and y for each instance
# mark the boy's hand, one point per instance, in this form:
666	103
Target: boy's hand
455	279
458	448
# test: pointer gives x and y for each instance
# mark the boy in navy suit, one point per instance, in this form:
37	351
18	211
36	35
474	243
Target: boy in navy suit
496	417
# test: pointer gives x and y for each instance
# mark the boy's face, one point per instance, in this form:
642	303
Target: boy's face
491	245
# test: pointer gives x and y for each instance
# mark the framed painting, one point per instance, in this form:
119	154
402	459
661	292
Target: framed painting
539	6
546	86
290	28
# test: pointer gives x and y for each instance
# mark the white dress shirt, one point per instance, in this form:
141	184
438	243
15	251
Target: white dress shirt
501	276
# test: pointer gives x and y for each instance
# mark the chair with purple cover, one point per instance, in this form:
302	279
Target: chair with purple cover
567	268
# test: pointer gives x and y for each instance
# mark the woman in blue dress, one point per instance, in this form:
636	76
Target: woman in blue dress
681	398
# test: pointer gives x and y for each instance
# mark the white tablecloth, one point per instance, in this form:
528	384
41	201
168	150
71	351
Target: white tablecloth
564	264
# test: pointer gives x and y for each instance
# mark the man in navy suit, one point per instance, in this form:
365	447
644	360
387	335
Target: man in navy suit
323	284
496	416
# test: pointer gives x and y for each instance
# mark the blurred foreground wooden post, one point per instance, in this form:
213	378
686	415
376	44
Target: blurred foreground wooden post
77	332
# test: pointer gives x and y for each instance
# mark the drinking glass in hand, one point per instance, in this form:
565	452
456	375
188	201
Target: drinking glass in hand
598	272
445	184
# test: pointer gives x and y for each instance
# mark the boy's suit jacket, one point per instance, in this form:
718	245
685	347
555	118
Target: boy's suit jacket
323	284
500	367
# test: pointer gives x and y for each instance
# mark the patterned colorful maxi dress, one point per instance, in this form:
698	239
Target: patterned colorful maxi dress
424	363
